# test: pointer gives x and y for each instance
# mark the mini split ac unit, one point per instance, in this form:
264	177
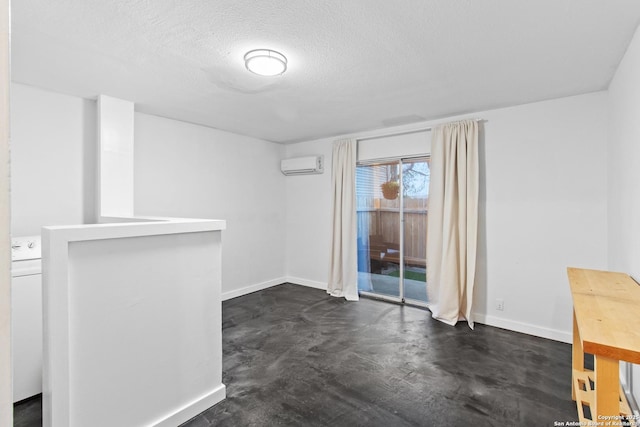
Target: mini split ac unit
302	165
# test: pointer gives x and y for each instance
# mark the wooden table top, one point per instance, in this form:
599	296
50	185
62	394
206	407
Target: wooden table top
606	305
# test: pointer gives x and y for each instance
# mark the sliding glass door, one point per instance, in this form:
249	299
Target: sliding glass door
392	214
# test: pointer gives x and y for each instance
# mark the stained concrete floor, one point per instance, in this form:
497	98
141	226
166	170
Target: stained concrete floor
294	356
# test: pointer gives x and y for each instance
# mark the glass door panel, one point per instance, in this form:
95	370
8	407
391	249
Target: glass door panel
415	192
378	215
392	229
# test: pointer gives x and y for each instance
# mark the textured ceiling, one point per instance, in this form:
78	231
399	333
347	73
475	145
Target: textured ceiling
354	65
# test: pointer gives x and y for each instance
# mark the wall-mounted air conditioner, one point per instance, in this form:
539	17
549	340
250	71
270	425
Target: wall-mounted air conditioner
302	165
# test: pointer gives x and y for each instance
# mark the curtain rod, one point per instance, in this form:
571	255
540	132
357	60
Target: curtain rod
408	132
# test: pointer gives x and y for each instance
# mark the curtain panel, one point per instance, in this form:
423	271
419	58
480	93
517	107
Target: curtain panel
343	262
452	221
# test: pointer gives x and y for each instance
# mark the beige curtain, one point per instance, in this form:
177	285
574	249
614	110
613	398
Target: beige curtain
452	222
343	263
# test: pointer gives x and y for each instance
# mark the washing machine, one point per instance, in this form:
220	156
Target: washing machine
26	302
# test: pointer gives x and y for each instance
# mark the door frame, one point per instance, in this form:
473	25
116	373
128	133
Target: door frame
6	391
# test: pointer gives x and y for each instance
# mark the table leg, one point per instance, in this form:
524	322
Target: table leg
577	355
607	373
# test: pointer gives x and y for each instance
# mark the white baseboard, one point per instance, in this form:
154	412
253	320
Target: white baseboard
269	283
193	408
305	282
252	288
525	328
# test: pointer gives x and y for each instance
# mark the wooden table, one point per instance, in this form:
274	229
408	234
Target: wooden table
605	324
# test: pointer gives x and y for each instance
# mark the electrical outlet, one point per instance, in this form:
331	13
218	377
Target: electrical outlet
500	304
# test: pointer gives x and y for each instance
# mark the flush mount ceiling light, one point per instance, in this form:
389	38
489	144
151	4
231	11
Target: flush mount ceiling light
265	62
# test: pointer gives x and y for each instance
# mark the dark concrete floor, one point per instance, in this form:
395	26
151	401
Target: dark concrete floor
297	357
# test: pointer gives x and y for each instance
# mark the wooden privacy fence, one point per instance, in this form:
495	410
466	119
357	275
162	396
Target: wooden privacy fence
381	217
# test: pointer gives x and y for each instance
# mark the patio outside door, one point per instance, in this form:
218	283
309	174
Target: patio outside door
392	223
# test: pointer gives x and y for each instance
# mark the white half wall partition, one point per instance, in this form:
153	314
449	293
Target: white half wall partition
133	322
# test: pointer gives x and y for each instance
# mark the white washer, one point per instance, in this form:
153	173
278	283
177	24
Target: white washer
26	301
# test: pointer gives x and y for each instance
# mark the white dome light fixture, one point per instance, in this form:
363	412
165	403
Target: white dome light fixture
265	62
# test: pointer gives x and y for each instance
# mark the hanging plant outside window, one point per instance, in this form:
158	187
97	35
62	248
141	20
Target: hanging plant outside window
390	189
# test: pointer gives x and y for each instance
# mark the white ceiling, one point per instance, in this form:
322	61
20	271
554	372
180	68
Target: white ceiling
354	65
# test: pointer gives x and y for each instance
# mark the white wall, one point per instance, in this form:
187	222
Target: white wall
114	160
308	221
53	139
623	164
543	208
186	170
